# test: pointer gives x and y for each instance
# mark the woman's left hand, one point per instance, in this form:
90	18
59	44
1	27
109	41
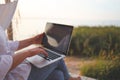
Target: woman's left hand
38	39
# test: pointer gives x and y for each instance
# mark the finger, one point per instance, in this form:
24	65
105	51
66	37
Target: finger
44	53
41	35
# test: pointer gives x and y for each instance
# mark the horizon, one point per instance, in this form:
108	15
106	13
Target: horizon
31	27
75	22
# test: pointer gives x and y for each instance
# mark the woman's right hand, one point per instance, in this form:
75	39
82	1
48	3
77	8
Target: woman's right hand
38	50
20	56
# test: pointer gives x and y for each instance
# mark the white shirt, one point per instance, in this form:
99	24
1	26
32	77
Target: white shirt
7	48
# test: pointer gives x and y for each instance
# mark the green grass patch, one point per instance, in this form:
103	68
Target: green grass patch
102	69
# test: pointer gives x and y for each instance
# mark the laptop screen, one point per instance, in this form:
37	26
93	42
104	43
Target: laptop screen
57	37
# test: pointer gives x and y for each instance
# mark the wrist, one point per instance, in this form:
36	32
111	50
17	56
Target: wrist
28	53
31	40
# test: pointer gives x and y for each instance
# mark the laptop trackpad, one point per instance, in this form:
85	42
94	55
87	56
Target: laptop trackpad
38	61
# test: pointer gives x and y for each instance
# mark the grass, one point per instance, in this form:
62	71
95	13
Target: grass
94	67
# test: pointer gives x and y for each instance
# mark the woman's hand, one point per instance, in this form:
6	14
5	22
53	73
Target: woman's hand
34	40
37	50
21	56
38	39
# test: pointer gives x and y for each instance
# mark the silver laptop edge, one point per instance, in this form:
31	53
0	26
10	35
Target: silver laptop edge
40	62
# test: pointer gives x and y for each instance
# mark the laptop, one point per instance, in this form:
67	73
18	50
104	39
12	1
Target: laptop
56	42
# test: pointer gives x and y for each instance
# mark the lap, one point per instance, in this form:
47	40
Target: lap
55	70
42	73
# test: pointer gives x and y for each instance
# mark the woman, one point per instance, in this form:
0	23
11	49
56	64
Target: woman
15	67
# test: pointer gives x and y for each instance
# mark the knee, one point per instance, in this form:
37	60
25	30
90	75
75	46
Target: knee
58	75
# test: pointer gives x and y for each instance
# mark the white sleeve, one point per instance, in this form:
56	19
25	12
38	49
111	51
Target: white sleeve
5	64
13	45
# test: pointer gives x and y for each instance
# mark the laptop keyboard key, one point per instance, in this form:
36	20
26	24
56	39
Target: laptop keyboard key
51	56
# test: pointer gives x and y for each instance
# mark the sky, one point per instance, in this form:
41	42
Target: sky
35	13
71	9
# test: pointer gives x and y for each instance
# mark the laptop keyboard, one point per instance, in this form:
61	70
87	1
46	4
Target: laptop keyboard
51	56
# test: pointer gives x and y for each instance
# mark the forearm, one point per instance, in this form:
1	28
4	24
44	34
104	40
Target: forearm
19	58
34	40
25	43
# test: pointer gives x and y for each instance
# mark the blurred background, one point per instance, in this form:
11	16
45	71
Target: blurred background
95	45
